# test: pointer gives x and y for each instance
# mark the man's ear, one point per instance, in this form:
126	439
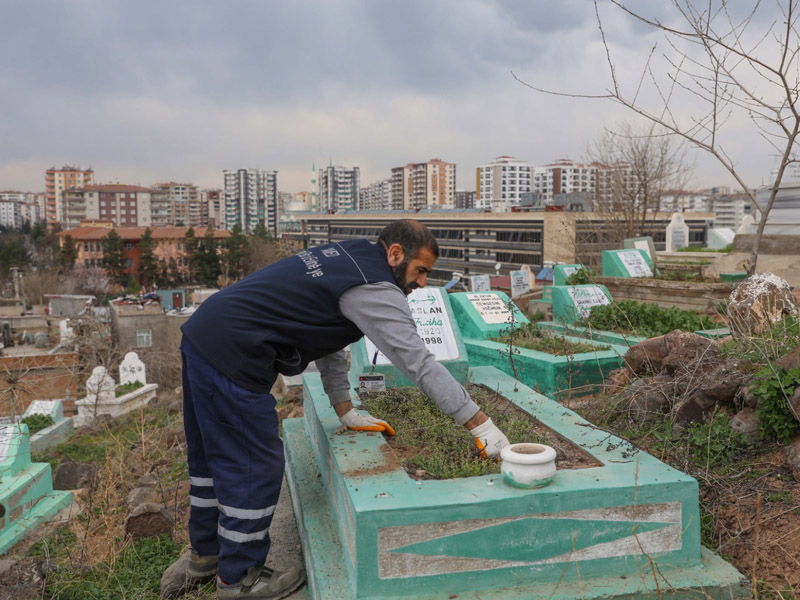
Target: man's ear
395	255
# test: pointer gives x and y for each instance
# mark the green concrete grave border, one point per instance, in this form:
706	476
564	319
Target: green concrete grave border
612	265
371	531
597	335
26	489
470	322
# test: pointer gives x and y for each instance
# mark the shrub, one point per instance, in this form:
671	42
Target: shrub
126	388
36	423
582	276
532	337
644	319
773	386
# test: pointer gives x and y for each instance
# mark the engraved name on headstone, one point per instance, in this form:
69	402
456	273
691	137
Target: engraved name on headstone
491	308
634	263
585	297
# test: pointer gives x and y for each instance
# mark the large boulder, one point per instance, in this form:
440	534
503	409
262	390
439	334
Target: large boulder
759	302
668	353
723	381
74	476
647	398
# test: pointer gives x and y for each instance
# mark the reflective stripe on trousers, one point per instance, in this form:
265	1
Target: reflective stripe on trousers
236	467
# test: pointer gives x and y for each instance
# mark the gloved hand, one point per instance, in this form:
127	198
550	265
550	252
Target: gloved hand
365	422
489	439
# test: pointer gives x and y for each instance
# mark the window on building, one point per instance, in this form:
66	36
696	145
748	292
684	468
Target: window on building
144	338
128	245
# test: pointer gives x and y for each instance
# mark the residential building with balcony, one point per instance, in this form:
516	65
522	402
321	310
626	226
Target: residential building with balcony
465	199
338	188
376	196
10	214
564	177
214	207
425	185
122	205
500	184
251	197
57	181
177	205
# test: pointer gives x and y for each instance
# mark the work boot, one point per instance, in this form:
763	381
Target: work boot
263	583
190	571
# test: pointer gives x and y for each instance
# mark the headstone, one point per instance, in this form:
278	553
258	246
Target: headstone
531	276
100	386
644	243
677	233
747	225
720	238
519	283
626	263
65	332
433	326
491	308
562	272
585	297
480	283
132	369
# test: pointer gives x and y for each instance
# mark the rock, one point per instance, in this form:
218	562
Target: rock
147	480
684	347
792	454
790	360
746	422
22	580
759	302
691	408
646	398
617	380
749	399
723	382
174	436
283	411
294	394
148	519
73	476
645	358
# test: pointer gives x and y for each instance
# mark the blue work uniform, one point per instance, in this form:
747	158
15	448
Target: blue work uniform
275	320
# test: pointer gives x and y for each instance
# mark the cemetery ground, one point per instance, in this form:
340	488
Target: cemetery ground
749	498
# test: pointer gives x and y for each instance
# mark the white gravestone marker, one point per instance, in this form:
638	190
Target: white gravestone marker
100	386
5	440
40	407
584	298
132	369
491	308
519	283
634	263
677	233
480	283
643	245
433	326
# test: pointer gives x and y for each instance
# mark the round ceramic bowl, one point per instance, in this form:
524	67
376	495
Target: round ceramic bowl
528	465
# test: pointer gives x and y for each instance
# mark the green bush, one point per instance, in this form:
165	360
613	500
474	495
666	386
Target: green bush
126	388
36	423
773	387
644	319
582	276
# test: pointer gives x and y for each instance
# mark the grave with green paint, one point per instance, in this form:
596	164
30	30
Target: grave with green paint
27	498
482	317
562	272
629	528
627	263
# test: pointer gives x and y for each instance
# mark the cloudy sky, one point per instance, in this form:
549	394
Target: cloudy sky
150	91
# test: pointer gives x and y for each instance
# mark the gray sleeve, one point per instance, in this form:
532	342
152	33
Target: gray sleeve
333	372
381	312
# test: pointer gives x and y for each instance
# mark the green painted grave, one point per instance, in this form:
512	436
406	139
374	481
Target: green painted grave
371	531
573	302
588	333
27	497
481	317
627	263
562	272
430	308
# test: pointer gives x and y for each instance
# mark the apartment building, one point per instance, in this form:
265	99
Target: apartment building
57	181
474	242
500	184
564	177
17	208
10	213
178	205
465	199
430	184
251	197
122	205
338	188
376	196
214	207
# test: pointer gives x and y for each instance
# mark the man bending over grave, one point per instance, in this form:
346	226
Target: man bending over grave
304	308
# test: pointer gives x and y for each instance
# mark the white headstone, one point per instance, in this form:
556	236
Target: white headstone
747	225
519	283
480	283
41	407
677	233
132	369
491	308
66	333
100	386
720	238
634	263
585	297
530	275
6	433
433	326
643	245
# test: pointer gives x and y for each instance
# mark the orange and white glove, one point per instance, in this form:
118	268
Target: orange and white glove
364	422
489	439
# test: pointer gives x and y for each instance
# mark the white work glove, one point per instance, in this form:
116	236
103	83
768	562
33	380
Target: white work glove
365	422
489	439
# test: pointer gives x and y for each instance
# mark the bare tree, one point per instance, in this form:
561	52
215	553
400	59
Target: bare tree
730	65
635	166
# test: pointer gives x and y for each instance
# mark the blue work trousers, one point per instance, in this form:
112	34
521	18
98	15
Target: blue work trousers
236	466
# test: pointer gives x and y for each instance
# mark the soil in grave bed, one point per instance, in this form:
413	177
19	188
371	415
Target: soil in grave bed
430	445
532	337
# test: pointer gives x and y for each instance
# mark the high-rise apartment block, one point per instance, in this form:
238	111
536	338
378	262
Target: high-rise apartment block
56	182
500	184
465	199
122	205
338	188
376	196
17	208
564	177
213	200
251	197
178	205
430	184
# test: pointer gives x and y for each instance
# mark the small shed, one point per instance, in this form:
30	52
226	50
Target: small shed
172	298
67	305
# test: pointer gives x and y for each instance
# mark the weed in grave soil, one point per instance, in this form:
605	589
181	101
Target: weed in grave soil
532	337
37	422
431	442
644	319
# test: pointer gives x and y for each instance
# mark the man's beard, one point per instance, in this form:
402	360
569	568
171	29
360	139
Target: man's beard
400	277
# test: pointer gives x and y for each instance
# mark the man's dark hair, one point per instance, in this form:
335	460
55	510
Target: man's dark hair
411	235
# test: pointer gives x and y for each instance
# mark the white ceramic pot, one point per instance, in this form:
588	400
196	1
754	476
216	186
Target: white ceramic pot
528	465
